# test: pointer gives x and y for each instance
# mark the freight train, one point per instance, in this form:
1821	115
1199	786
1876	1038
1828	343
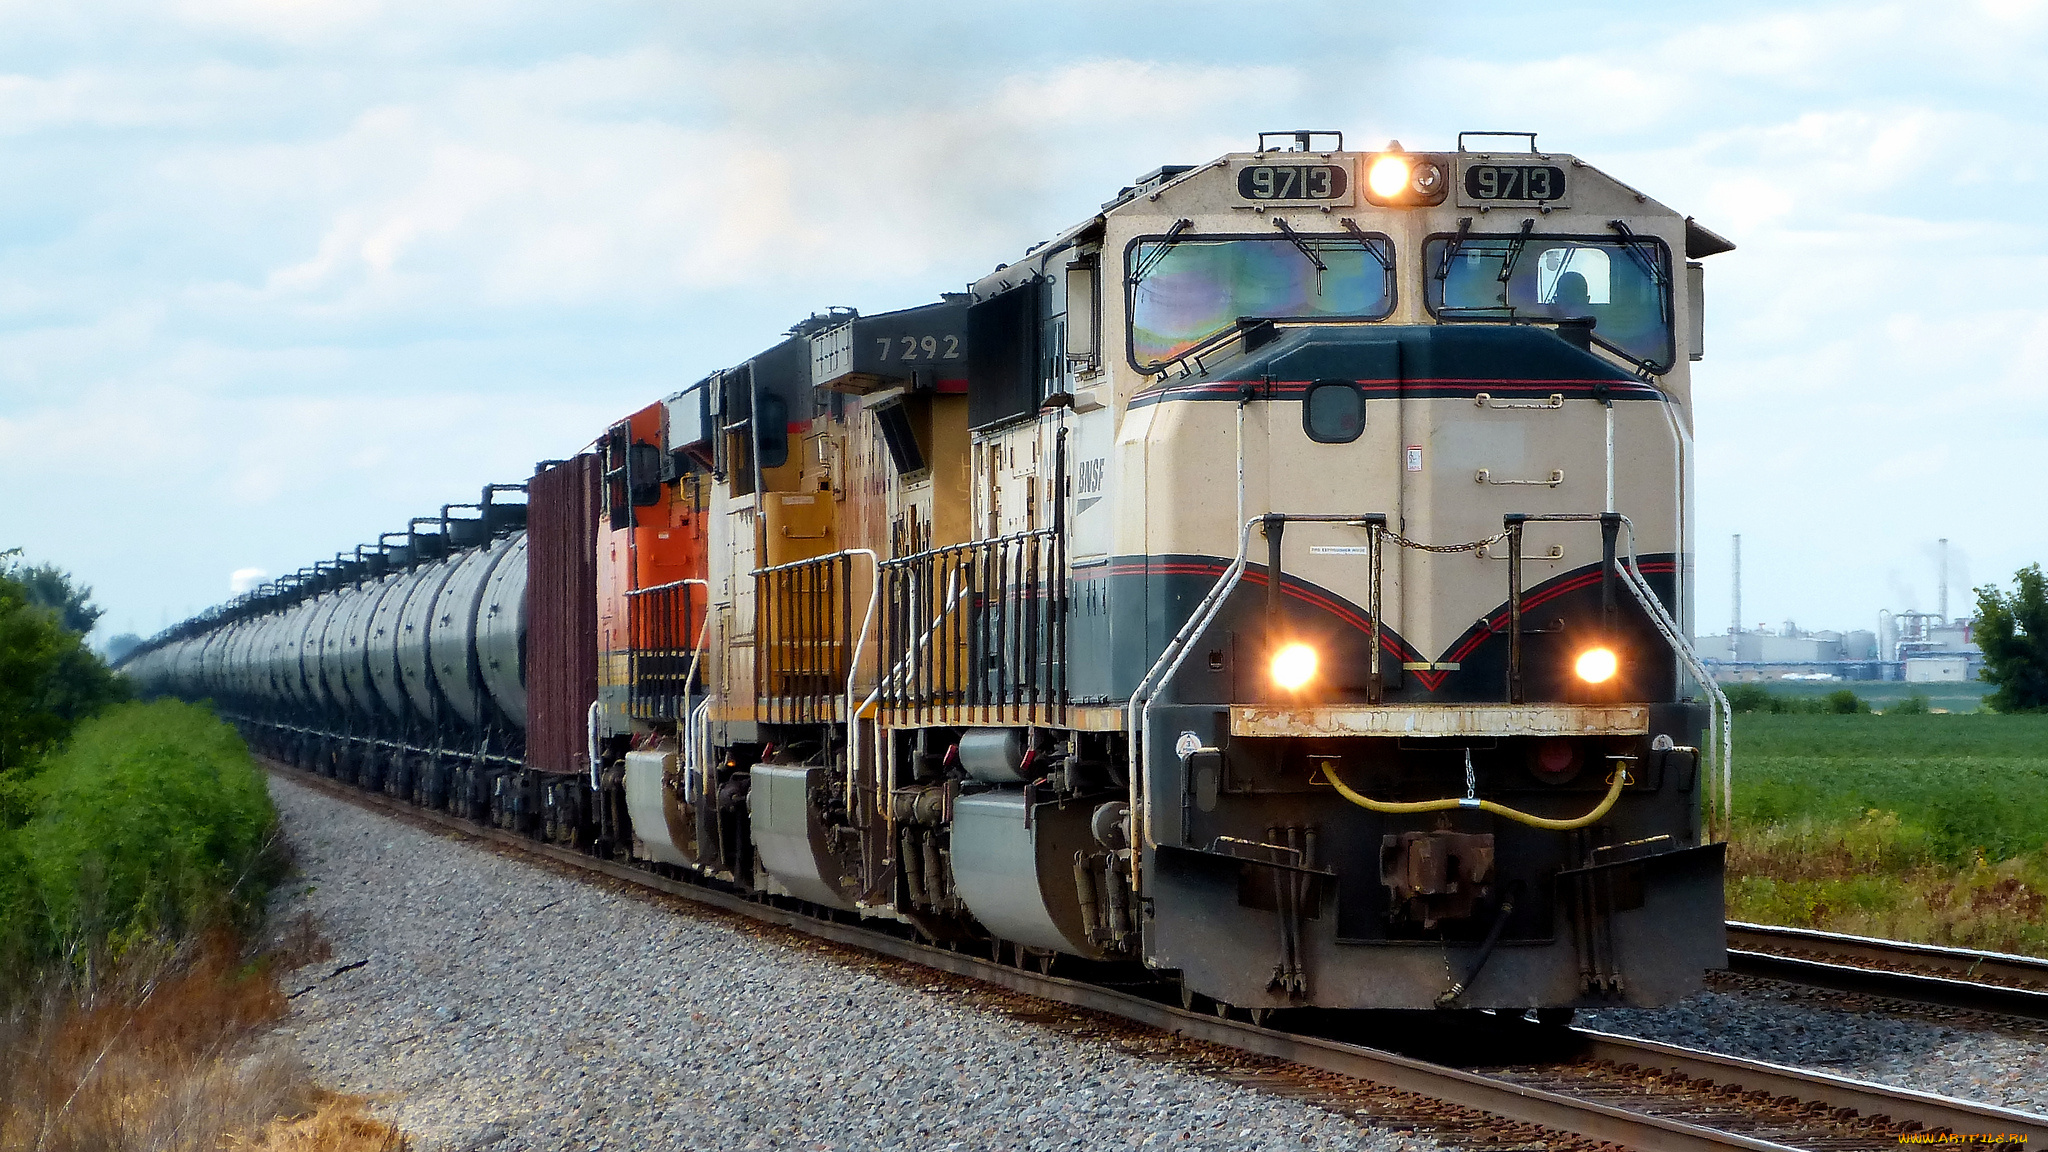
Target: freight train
1278	580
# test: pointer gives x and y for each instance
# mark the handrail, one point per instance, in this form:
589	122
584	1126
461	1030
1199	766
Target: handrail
1720	716
853	658
867	620
1138	717
963	546
665	587
1725	756
1015	585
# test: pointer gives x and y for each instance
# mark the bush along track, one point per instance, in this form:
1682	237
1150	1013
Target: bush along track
134	861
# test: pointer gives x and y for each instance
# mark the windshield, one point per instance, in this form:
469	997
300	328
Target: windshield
1185	291
1622	286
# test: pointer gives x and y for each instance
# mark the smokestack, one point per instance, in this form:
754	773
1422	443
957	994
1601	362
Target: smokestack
1943	606
1735	617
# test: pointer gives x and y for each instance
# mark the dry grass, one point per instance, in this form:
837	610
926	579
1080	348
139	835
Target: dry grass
172	1053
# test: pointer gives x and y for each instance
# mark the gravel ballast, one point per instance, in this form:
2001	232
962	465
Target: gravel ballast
1823	1032
493	1003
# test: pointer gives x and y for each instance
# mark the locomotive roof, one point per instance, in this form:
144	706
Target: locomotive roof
1191	191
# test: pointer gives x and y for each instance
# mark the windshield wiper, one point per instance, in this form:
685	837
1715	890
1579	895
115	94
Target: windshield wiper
1514	252
1158	253
1635	244
1443	267
1295	239
1372	244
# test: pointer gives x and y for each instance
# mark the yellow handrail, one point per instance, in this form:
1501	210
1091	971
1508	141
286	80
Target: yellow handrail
1615	784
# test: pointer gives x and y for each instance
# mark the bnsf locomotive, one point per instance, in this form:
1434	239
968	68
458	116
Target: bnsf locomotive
1280	578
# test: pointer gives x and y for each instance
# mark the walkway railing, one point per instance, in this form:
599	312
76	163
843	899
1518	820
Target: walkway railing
973	631
665	628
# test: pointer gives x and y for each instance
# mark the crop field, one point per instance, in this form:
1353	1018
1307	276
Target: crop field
1921	827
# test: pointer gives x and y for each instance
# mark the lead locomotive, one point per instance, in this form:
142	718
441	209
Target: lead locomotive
1278	578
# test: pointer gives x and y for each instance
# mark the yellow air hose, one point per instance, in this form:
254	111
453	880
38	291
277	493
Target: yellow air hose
1615	784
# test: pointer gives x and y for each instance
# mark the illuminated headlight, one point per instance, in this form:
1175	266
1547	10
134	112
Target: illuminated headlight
1294	666
1388	176
1597	665
1397	179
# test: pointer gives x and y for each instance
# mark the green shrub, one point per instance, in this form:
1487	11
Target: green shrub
1914	705
1749	698
152	822
49	679
1757	698
20	914
1842	702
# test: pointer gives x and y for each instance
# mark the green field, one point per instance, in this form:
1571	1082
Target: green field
1927	827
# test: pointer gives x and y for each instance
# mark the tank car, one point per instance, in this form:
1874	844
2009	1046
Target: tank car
399	666
1278	580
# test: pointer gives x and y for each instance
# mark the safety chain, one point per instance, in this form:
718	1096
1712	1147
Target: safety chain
1468	546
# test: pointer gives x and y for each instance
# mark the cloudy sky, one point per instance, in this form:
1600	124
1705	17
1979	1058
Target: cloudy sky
277	274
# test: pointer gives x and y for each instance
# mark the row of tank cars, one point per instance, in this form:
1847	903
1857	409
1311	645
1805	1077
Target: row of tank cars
413	647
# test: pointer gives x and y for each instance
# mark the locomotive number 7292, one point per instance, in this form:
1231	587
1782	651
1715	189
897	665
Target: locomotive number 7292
919	348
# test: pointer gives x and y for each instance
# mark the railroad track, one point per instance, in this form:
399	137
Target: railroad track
1991	982
1571	1082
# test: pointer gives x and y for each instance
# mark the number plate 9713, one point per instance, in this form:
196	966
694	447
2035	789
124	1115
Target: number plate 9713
1514	182
1293	182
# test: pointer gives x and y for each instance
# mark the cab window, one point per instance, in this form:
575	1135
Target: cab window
1184	292
1622	286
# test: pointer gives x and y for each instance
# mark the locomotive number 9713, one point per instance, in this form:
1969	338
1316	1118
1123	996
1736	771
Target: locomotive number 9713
1293	182
1514	182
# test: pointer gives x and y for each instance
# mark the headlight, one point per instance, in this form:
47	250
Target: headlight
1388	176
1597	665
1294	666
1397	179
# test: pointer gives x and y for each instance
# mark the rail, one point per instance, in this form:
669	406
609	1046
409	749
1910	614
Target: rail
1992	982
971	631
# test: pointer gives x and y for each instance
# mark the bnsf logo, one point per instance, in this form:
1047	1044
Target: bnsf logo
1090	476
